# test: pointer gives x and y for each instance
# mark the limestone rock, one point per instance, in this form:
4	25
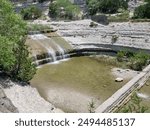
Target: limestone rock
6	104
119	79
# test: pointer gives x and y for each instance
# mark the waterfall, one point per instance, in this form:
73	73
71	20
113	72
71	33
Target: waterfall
54	51
59	49
36	60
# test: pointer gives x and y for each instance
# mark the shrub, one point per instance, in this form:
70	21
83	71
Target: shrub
142	11
136	60
64	9
14	54
120	56
134	105
114	38
93	6
31	13
105	6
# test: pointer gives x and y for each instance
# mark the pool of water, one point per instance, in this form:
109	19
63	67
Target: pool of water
72	84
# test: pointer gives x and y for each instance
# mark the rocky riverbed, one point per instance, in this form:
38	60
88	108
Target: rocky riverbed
15	97
127	34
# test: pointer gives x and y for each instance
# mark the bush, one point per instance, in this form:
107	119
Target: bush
136	60
64	9
93	6
105	6
134	105
114	38
142	11
14	54
31	13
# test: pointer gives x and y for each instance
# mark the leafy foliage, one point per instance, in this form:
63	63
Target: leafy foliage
14	55
91	106
105	6
142	11
31	13
134	106
136	61
63	9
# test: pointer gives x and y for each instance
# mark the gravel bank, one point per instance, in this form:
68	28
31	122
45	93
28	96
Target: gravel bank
27	100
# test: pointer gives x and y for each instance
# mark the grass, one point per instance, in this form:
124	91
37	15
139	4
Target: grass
108	60
143	105
39	27
121	17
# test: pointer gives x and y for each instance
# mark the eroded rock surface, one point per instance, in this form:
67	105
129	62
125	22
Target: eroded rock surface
5	103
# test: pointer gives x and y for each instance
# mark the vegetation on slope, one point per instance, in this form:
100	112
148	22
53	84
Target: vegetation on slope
106	6
14	54
143	11
31	13
64	9
135	61
134	106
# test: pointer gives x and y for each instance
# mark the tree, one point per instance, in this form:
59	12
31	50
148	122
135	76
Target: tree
93	6
143	11
14	55
105	6
31	13
64	9
7	58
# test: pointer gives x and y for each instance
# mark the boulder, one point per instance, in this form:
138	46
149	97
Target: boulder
119	79
102	19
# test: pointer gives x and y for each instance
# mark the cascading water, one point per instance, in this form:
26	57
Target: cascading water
36	60
54	51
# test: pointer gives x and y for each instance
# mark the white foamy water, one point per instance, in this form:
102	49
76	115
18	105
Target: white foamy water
38	36
142	95
51	51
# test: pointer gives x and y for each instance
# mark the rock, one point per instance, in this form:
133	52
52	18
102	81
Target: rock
6	104
102	19
119	79
2	94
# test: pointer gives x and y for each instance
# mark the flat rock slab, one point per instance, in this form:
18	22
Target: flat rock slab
6	105
2	94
